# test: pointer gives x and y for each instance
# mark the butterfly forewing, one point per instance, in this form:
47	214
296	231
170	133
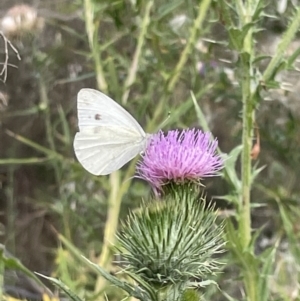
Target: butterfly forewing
97	109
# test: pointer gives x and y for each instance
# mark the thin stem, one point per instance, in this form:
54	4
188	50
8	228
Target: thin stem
92	32
202	10
49	153
11	211
44	105
1	275
114	205
18	161
137	54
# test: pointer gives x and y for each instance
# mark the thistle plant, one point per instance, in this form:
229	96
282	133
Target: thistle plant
169	244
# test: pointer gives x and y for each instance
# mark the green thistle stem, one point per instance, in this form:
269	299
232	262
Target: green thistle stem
248	118
247	56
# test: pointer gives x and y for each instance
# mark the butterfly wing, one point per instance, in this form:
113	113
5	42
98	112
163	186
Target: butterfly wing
109	136
108	150
96	109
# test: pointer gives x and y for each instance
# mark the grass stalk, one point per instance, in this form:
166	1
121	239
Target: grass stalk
49	153
1	279
11	211
114	205
92	28
17	161
137	54
190	45
45	106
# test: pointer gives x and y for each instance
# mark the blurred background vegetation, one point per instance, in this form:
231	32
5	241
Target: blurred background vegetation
50	207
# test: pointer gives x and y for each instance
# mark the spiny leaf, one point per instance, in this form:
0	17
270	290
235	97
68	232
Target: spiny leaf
133	291
63	287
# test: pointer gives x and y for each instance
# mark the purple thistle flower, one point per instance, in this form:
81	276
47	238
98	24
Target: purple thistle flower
179	156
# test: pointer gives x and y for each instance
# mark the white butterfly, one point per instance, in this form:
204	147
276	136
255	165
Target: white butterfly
108	135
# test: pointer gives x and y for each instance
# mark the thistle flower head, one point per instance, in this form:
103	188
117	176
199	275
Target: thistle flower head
178	157
170	242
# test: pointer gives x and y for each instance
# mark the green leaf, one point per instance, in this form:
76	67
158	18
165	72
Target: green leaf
244	257
237	36
261	58
203	283
232	236
270	84
190	295
245	58
291	60
63	287
231	198
235	39
200	115
67	138
230	167
142	283
167	8
226	10
264	14
256	172
11	262
263	284
286	214
133	291
259	10
74	251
